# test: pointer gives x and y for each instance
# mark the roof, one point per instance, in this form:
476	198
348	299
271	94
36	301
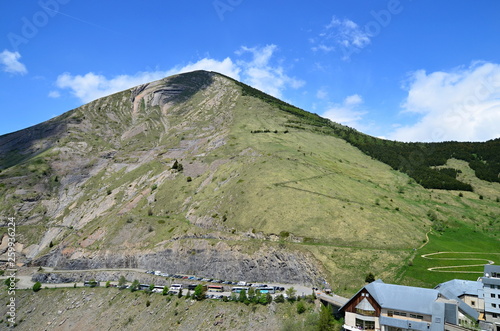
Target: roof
404	324
455	288
462	306
459	287
404	298
491	281
333	299
490	268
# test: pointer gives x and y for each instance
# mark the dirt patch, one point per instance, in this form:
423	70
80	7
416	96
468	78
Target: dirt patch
97	235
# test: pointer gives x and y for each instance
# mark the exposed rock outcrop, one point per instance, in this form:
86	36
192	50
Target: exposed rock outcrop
200	257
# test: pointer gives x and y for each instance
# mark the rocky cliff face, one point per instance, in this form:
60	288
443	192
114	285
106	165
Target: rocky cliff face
206	259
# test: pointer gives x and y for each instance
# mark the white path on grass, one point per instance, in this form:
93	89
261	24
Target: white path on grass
443	269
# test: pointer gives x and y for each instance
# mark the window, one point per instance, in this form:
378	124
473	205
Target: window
365	325
390	313
492	295
494	315
473	303
494	305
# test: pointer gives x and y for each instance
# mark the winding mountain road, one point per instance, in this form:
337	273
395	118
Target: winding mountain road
447	268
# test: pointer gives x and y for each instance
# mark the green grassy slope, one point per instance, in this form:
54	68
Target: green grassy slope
458	253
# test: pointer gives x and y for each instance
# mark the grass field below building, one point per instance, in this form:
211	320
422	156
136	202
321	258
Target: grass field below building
458	253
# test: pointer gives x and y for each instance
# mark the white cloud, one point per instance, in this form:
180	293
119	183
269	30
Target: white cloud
324	48
260	73
10	62
225	67
54	94
348	112
462	104
344	35
91	86
322	94
353	100
256	71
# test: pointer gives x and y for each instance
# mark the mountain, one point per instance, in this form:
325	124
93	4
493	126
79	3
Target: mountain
200	174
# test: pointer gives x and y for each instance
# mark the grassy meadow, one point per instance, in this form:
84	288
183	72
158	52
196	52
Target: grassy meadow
459	248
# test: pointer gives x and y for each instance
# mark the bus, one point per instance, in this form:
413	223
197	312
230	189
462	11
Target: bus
238	289
143	287
215	288
158	289
265	290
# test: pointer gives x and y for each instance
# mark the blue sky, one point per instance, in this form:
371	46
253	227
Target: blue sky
410	70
